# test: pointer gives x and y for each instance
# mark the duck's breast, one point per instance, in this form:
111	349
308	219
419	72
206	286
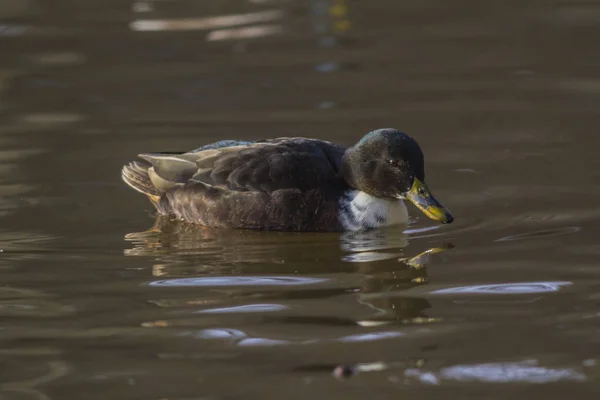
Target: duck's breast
359	210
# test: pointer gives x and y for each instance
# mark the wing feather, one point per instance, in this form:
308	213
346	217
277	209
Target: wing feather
283	184
262	166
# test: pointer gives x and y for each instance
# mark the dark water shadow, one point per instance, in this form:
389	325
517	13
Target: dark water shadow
261	271
171	239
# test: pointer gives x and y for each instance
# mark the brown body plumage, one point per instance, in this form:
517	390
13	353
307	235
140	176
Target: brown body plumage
292	184
280	184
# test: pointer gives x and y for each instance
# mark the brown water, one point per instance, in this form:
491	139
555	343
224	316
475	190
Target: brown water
504	99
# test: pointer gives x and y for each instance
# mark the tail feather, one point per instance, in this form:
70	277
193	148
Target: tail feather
135	174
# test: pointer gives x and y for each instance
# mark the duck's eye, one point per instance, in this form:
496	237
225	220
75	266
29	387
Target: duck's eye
422	191
394	163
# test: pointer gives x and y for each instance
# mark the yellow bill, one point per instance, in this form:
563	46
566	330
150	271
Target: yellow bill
420	196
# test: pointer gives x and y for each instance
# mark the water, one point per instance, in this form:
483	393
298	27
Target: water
503	98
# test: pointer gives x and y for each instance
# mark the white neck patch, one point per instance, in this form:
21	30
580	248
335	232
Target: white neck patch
359	210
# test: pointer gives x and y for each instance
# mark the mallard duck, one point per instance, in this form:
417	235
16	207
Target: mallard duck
290	184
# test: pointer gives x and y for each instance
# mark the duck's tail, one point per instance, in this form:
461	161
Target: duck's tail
135	174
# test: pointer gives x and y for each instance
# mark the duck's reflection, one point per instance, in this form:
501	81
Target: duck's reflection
266	266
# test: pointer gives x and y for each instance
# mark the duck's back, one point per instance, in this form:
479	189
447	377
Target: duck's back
277	184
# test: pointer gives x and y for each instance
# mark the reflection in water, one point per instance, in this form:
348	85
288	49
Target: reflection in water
222	25
252	265
506	288
369	256
244	33
250	308
168	237
142	6
173	238
330	21
179	245
239	281
369	241
239	338
330	18
515	372
501	372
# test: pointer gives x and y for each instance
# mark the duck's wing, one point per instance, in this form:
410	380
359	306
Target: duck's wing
285	183
266	166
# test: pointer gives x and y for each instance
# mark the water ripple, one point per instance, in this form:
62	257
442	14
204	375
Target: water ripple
424	229
369	256
540	233
509	372
506	288
239	281
368	337
250	308
240	338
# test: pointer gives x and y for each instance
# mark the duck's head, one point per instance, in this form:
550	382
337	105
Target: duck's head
389	164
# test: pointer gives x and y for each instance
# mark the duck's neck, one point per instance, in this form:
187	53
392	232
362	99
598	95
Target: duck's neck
349	159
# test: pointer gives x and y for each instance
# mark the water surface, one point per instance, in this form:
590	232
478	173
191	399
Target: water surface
98	299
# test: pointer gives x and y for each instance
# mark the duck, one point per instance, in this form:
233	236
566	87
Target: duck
290	183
